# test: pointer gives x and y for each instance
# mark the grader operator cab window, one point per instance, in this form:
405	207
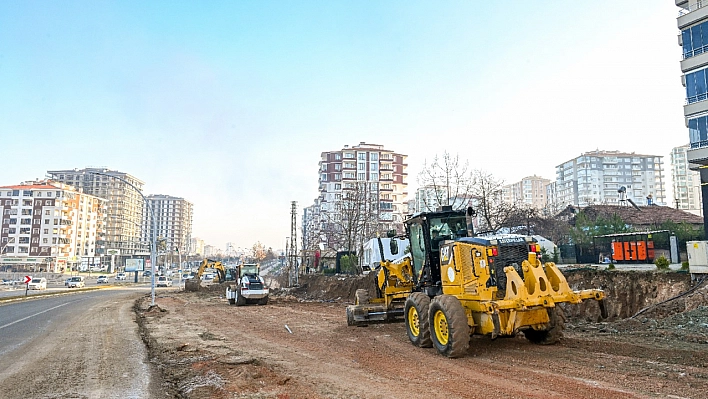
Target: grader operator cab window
249	269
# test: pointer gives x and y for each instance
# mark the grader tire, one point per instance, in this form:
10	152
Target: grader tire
450	332
361	296
232	301
416	316
263	301
554	333
240	299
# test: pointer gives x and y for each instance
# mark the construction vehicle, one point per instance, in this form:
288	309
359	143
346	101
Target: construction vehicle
193	284
249	287
454	284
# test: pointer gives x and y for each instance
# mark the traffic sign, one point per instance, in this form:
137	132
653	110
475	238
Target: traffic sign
28	279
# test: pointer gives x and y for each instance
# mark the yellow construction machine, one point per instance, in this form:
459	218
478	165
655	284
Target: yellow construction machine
193	283
454	284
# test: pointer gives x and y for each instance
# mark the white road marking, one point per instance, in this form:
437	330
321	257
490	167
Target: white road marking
36	314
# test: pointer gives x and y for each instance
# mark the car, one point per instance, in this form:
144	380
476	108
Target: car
6	281
37	283
76	282
147	273
163	281
102	280
187	276
121	276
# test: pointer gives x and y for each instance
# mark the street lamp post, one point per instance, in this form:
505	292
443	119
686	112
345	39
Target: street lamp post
153	249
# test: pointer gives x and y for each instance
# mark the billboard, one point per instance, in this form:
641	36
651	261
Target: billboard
134	265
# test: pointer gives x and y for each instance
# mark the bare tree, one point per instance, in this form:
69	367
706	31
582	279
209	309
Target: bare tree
493	212
445	181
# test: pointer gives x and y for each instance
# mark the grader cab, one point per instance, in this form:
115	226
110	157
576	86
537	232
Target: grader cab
454	284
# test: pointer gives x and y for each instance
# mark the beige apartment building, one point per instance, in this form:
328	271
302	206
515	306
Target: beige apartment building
686	182
50	225
124	209
531	191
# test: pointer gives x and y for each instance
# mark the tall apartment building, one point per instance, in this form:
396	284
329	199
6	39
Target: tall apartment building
173	219
384	171
196	246
50	223
693	24
124	208
370	170
531	190
686	182
596	177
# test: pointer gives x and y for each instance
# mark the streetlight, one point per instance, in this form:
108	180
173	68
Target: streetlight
153	257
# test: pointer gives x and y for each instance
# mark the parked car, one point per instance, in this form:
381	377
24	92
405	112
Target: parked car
102	280
76	282
147	273
6	281
120	276
186	276
37	283
163	281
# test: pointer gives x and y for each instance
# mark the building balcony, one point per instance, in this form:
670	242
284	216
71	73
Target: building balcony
695	105
696	59
689	15
698	154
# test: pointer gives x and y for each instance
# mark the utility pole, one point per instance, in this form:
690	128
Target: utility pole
292	266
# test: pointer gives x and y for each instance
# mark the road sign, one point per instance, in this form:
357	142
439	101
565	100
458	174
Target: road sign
28	279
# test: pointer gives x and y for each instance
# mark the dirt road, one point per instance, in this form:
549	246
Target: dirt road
208	349
79	346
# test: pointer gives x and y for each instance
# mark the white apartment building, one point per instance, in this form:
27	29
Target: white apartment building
124	214
531	190
686	182
173	219
596	177
52	224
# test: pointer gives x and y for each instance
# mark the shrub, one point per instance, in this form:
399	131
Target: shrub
611	266
684	265
662	263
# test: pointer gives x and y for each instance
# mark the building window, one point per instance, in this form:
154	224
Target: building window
362	166
374	167
323	176
374	156
362	156
361	176
337	166
338	186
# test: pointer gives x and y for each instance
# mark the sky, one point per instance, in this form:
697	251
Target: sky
229	104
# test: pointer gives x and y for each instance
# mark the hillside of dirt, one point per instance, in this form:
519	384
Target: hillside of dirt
299	346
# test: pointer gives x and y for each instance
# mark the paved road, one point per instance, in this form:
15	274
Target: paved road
83	345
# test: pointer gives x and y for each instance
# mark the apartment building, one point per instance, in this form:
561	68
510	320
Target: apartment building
384	172
686	182
693	24
173	219
531	191
376	176
430	199
196	246
51	224
597	177
124	215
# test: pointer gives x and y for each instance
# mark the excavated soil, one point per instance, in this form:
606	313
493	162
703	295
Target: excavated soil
653	345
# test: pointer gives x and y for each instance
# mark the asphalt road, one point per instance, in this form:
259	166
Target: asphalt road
81	345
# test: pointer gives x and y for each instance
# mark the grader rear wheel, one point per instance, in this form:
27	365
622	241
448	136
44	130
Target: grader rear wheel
553	334
450	332
416	314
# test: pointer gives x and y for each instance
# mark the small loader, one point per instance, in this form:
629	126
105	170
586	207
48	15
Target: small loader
454	284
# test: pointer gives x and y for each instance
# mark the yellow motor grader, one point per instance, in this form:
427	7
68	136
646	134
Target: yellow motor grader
454	284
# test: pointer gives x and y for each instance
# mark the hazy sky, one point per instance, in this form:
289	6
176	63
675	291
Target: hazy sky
229	104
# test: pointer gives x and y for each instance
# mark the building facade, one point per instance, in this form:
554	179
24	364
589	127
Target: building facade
686	182
597	177
196	246
124	209
531	191
51	224
693	24
367	177
173	220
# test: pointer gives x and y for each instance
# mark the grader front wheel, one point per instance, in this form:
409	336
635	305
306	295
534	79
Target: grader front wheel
449	328
416	314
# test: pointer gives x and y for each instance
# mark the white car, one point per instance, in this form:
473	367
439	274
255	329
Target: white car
76	282
120	276
102	280
163	281
37	283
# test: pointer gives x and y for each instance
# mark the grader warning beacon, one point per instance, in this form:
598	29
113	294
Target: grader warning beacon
454	284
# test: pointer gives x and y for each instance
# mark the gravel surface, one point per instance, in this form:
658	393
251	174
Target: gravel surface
294	348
